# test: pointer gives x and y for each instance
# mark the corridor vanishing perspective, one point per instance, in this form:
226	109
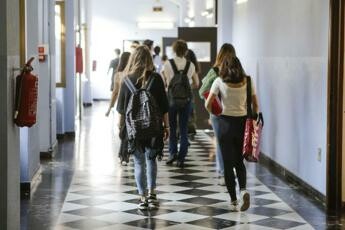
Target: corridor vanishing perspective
103	195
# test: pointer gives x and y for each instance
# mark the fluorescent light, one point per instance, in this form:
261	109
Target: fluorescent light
241	1
204	13
210	15
156	25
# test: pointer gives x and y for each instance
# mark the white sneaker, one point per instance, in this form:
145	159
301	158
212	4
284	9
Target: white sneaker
234	206
245	200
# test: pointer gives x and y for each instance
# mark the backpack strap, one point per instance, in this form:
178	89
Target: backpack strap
186	68
130	85
249	97
216	70
173	65
149	82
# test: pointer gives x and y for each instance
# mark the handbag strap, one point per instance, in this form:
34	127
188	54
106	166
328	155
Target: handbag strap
249	97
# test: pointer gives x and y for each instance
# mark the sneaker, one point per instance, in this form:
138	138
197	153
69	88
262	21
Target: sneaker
171	159
180	164
221	181
143	204
152	201
234	206
245	200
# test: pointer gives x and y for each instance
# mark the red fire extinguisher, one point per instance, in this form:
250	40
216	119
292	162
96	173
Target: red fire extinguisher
26	97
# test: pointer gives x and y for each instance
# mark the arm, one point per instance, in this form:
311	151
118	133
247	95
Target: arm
164	78
114	94
195	79
255	104
166	126
121	121
209	101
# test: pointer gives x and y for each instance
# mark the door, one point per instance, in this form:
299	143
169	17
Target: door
203	41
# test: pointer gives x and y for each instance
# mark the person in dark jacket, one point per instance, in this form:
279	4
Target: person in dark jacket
139	70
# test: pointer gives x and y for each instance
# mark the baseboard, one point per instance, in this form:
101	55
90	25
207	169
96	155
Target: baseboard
87	104
283	172
27	188
101	99
50	153
63	135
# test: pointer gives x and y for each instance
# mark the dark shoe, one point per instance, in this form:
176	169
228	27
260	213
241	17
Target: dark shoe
180	164
153	201
143	204
171	159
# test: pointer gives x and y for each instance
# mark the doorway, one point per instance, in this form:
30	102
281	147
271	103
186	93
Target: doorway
203	41
334	195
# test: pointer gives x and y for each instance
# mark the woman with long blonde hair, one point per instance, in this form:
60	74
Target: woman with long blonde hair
140	71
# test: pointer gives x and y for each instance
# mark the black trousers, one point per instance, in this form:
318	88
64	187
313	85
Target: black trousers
230	134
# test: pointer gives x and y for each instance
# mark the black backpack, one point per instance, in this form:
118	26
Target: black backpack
179	90
143	120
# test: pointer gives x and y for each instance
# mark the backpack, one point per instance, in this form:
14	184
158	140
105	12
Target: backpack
179	90
143	120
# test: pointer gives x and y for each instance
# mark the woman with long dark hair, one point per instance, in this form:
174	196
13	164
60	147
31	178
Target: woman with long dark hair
232	87
139	71
226	52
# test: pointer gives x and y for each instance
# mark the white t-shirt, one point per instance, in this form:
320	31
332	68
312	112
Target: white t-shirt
157	61
180	64
234	100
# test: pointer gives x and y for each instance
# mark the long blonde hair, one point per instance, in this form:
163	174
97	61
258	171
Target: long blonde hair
140	62
225	56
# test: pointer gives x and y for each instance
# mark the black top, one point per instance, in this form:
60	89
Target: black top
157	90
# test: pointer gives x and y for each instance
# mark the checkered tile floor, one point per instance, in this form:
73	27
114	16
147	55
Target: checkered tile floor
190	199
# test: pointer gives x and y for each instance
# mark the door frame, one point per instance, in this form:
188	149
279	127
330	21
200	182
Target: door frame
335	107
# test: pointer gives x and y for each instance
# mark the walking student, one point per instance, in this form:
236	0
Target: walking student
180	78
145	138
113	65
226	52
117	79
232	87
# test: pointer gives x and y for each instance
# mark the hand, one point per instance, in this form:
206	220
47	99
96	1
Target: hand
107	113
166	134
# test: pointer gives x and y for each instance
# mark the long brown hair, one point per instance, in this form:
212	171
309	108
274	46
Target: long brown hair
140	63
234	72
224	57
123	61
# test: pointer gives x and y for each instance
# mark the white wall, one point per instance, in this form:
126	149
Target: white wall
65	97
113	21
9	133
30	137
284	46
47	102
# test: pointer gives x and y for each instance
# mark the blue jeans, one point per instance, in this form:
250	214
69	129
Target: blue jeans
183	117
145	171
219	157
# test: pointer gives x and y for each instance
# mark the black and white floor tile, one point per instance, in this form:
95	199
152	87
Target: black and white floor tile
189	199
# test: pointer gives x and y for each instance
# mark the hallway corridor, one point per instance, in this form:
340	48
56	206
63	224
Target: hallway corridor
85	187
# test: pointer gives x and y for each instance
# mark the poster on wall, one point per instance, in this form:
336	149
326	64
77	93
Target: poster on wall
202	50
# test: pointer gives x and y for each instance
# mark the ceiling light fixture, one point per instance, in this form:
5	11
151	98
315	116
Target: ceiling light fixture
238	2
207	13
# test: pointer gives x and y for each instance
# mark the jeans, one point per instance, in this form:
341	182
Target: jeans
230	133
183	117
145	171
219	157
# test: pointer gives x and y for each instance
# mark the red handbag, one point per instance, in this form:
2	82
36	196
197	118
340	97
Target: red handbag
253	130
216	108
